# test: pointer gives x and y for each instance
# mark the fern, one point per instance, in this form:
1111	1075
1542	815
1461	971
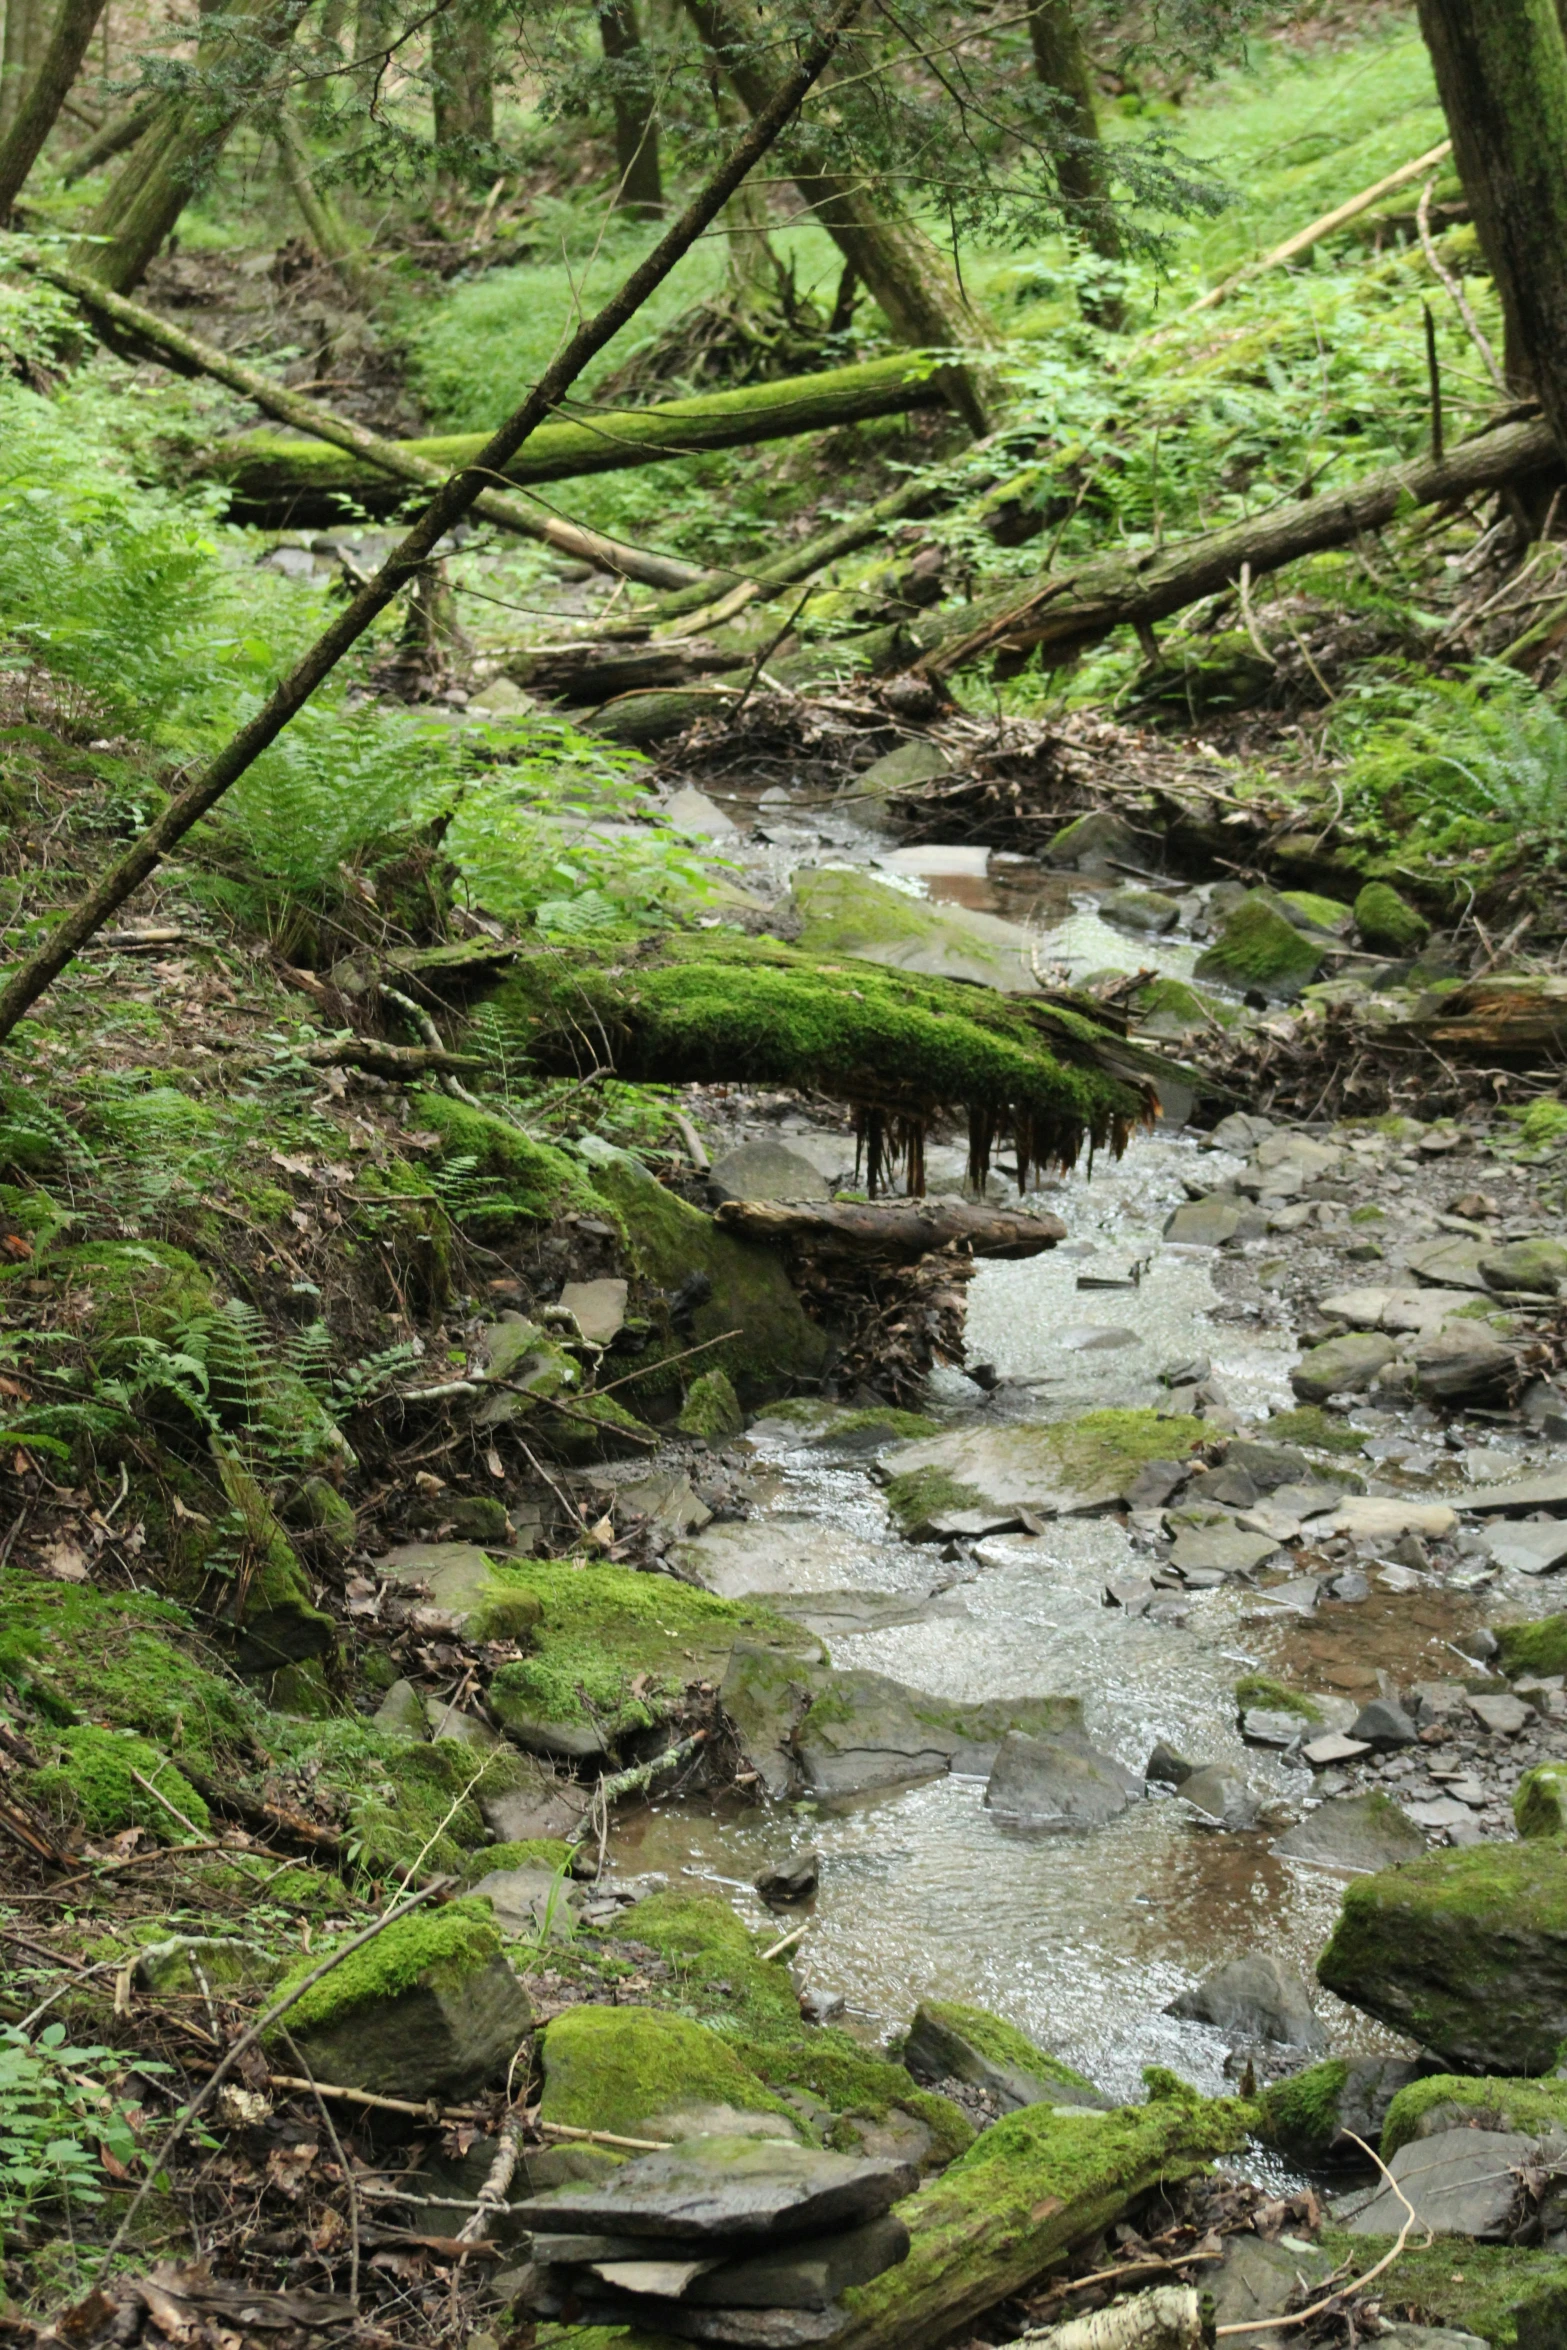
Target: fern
1458	761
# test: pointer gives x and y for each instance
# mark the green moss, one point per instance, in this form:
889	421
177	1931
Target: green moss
1540	1647
712	1408
602	1626
1099	1446
397	1794
718	1974
1387	924
532	1852
1315	1430
855	915
123	1289
915	1496
442	1947
121	1658
829	2065
1260	949
901	1427
1474	2288
1544	1125
1300	2116
91	1786
615	2068
1530	2107
1540	1801
533	1180
1262	1691
1002	2043
1322	913
1169	1008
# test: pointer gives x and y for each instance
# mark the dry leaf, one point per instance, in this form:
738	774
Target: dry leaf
287	2165
66	1561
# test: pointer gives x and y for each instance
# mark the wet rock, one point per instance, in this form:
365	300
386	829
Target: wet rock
904	769
1166	1768
1463	1362
538	1803
1155	1483
1449	1263
1357	1833
949	2041
1254	1998
532	1901
1220	1550
1215	1221
1260	1727
1270	1465
766	1170
851	914
1387	923
1384	1725
667	1499
433	2010
1258	2280
1464	1950
599	1308
791	1880
804	2276
1186	1371
1260	951
1536	1265
1545	1492
1316	2116
1044	1783
1228	1485
729	2190
1095	843
1462	2183
1147	912
1242	1131
1343	1366
1220	1798
1331	1749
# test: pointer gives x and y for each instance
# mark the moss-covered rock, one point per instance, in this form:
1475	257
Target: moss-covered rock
94	1782
1466	1951
1315	2116
487	1598
1315	1430
1533	2108
430	2008
718	1974
1479	2293
1060	1463
638	2073
278	1619
1311	912
1387	923
1270	1695
711	1409
856	2086
1540	1647
1259	950
853	914
1540	1801
121	1658
950	2041
524	1181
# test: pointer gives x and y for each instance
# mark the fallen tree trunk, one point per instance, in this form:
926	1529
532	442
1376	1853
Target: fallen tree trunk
1505	1018
1071	609
900	1230
281	483
596	670
119	321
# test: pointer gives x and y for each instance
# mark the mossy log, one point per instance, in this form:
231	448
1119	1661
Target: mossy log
1506	1018
900	1230
283	483
903	1050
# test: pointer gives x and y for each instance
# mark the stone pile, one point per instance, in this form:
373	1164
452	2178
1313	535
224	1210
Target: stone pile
719	2239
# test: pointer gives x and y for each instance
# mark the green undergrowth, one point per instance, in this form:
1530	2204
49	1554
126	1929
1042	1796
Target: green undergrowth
604	1627
1474	2288
441	1947
1101	1445
519	1179
531	1852
1313	1429
123	1659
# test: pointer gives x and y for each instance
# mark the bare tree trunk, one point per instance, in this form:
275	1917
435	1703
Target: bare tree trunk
1082	169
371	23
36	116
122	130
320	216
235	57
463	73
916	287
17	53
1501	68
641	188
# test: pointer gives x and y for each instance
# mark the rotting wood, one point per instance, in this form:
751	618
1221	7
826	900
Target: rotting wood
897	1229
1167	2318
1507	1016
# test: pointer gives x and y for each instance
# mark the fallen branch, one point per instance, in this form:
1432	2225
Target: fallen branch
389	1060
607	1791
1303	239
899	1229
1168	2318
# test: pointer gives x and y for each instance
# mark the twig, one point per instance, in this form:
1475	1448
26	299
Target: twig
1268	2325
1250	617
172	1810
779	1948
1459	297
343	2165
664	1361
497	2179
1305	238
695	1146
602	2138
769	648
640	1775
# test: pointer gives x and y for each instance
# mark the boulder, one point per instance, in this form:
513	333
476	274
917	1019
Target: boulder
1464	1950
1215	1221
1343	1366
465	1585
1220	1797
1387	923
1536	1265
1147	913
400	1713
1044	1783
1540	1801
766	1170
1356	1833
1060	1468
1166	1768
711	1409
1384	1725
1463	1362
1254	1999
1259	951
904	769
1315	2116
637	2072
948	2041
1449	1263
731	2190
1095	843
1462	2183
533	1901
430	2008
849	913
791	1880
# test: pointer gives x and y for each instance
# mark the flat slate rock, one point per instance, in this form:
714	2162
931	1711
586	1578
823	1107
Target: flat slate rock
729	2190
1461	2183
1044	1783
1529	1549
767	1170
1007	1467
1450	1264
1379	1517
1520	1493
599	1307
1220	1550
1219	1797
1358	1834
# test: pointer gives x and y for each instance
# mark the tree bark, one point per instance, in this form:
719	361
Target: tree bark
287	483
1082	169
1501	68
641	186
463	87
235	57
916	287
122	130
36	116
321	218
18	54
179	816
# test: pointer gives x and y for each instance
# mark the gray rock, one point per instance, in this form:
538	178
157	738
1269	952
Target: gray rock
599	1308
532	1901
465	1585
1042	1783
1448	2338
728	2190
791	1881
1530	1548
1094	1338
1298	1597
1242	1132
1331	1748
1215	1221
1343	1366
1148	912
1166	1768
1154	1484
1219	1797
804	2276
1383	1724
1357	1833
1257	2280
1462	1362
904	769
1538	1265
767	1170
744	2329
1095	843
1228	1485
1270	1465
1450	1263
1545	1492
1462	2183
1261	1727
1254	1998
941	2045
401	1712
449	1722
1220	1550
1503	1716
448	2036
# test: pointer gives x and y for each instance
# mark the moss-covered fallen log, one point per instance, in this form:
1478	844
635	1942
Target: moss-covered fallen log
904	1051
1062	612
279	482
896	1231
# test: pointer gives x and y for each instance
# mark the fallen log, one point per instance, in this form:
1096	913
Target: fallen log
1509	1018
119	322
596	670
1031	2187
1063	613
1168	2318
281	483
900	1229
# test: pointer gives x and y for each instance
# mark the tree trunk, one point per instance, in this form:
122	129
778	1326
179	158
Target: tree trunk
371	21
186	137
36	116
321	218
18	54
122	130
463	88
293	483
916	287
1501	68
899	1231
641	186
1082	169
